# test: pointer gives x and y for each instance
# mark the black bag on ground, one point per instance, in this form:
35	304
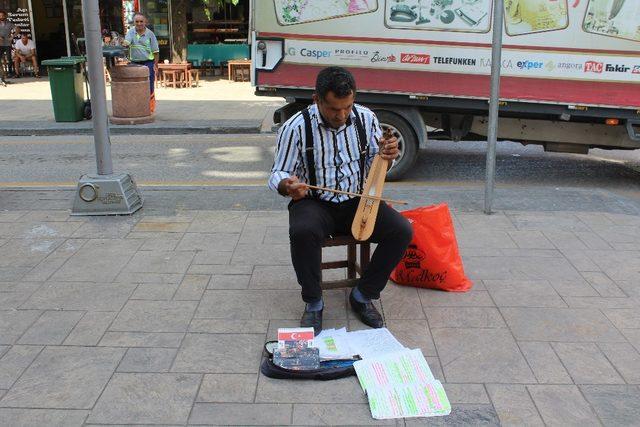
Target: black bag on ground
271	370
327	372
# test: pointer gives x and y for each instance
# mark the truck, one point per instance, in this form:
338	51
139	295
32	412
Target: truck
570	68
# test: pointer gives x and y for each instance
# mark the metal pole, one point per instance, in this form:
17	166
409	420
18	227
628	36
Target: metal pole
66	26
492	137
33	30
93	40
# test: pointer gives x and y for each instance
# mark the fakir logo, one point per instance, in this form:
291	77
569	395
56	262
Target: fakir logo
415	58
636	69
593	67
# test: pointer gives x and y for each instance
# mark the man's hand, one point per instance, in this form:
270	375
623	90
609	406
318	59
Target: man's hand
389	148
293	188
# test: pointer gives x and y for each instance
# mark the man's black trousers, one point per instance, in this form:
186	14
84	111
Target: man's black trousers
312	220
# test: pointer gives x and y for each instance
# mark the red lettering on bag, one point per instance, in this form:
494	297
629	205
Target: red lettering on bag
432	260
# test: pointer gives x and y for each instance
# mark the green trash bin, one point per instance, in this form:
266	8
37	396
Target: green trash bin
67	87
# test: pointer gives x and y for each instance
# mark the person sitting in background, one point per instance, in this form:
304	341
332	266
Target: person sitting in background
25	51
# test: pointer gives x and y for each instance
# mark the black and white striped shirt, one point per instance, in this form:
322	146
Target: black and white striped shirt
336	152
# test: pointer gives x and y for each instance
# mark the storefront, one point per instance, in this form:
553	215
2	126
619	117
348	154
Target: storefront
214	22
53	23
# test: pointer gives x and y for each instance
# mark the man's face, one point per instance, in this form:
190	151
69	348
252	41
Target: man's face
335	111
3	16
140	22
25	39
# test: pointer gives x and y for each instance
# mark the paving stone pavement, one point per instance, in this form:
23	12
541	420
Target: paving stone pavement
160	317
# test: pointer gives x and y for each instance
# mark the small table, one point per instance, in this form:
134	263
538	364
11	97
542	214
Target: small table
239	64
183	68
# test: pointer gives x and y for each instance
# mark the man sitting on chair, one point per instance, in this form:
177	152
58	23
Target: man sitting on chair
25	51
332	144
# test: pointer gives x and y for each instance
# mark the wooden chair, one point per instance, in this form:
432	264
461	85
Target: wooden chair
172	78
241	74
195	77
160	79
354	269
207	66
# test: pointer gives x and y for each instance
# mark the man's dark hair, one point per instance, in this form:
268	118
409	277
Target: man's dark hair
336	80
3	12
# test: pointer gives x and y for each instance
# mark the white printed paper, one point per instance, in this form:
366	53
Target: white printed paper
334	344
373	342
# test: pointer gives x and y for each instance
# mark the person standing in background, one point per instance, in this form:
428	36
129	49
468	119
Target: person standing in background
144	50
6	28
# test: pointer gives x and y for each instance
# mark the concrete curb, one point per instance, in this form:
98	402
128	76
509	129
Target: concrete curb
161	128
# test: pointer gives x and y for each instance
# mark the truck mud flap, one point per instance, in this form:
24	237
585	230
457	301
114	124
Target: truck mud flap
633	127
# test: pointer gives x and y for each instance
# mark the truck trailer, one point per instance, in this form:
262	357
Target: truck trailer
570	68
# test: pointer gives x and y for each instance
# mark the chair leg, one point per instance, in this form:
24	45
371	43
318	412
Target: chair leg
351	261
365	256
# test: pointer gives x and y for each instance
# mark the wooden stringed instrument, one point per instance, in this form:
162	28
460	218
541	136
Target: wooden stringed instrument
365	219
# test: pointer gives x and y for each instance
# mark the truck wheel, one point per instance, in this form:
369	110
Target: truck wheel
407	143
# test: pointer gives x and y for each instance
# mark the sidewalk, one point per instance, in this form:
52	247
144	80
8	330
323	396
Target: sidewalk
160	318
217	106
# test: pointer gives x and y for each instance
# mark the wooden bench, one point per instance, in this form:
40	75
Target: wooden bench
354	268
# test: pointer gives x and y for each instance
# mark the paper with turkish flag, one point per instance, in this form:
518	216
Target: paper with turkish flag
295	338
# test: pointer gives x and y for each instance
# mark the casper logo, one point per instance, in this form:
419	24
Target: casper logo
593	67
315	53
415	58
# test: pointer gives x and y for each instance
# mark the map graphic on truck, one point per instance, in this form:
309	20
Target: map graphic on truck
615	18
299	11
445	15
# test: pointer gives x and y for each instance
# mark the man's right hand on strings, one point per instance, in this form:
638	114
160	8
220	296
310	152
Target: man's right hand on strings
293	188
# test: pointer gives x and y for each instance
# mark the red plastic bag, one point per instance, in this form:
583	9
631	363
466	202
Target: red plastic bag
432	259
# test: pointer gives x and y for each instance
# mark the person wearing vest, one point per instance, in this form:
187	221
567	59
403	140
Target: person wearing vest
332	144
143	50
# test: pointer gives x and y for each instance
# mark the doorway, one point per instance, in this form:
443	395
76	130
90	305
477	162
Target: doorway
48	23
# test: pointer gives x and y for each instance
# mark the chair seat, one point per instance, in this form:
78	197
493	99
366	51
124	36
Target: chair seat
354	269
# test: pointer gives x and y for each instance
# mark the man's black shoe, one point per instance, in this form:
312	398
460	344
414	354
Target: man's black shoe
367	312
312	319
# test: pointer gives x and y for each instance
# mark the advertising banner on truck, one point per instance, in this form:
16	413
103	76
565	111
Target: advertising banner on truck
559	51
